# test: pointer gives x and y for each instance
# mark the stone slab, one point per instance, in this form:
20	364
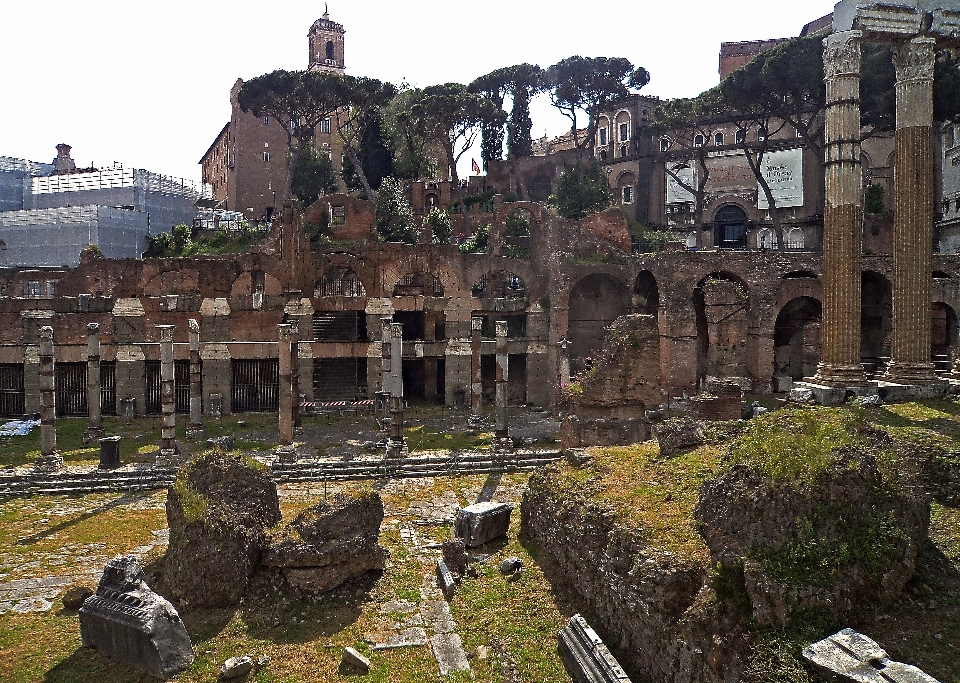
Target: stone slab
587	659
445	579
449	653
851	656
410	637
829	396
482	522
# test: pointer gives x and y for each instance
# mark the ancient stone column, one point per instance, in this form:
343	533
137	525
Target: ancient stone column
501	434
564	363
195	429
168	407
842	214
94	431
396	448
286	450
385	360
49	459
476	377
913	213
295	375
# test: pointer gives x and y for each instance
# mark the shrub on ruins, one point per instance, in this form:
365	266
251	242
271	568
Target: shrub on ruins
218	511
393	213
478	243
178	242
313	176
440	225
581	191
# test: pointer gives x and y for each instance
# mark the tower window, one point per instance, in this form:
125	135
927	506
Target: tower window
603	136
624	130
741	137
266	156
718	139
329	49
698	140
664	144
325	125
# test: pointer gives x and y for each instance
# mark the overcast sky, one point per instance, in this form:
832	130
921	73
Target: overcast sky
146	82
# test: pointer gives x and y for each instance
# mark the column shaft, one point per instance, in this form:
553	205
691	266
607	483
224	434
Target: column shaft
49	460
285	335
94	411
476	378
168	428
503	365
196	385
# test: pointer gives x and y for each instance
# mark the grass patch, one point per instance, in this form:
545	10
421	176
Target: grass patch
422	438
655	495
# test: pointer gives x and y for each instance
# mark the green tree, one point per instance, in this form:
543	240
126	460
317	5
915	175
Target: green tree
478	243
413	144
177	242
359	99
582	191
589	84
313	176
440	225
393	213
298	101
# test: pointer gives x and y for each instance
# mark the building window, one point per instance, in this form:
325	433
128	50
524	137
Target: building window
624	130
699	140
325	125
603	136
761	134
718	139
266	156
603	155
266	120
32	289
664	144
628	195
329	49
741	137
623	150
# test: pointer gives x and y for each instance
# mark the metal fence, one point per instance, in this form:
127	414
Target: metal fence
255	386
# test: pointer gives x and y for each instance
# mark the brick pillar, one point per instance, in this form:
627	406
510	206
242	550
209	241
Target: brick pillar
286	451
842	215
94	430
396	448
49	459
913	218
168	428
195	428
502	432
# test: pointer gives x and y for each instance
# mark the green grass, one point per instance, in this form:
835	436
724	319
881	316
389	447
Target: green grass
422	438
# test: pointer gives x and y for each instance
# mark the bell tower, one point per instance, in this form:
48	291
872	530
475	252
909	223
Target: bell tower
326	45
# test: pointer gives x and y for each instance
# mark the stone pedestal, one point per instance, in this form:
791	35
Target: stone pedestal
168	430
94	431
109	452
195	429
396	446
842	216
49	460
913	213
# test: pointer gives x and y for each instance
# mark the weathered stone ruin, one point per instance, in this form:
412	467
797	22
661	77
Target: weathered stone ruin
676	434
587	659
328	544
218	512
129	623
482	522
851	656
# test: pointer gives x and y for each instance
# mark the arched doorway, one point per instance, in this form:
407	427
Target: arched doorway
721	304
646	294
730	227
876	312
796	338
595	302
943	335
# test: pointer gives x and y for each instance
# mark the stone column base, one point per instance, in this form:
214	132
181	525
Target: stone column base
895	392
166	457
828	395
910	373
502	444
48	463
831	375
196	432
287	455
396	450
92	435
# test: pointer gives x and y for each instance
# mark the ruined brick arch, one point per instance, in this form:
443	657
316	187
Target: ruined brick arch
340	282
791	288
646	293
721	304
595	301
876	320
796	338
249	282
418	283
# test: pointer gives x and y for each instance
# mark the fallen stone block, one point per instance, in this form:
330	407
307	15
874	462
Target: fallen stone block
585	656
677	434
448	651
129	623
445	580
455	555
852	656
482	522
75	596
354	661
235	667
511	565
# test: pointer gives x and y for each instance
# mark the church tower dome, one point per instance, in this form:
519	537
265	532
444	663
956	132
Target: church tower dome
326	45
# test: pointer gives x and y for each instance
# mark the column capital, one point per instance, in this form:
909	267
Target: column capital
396	330
166	332
841	54
914	59
476	324
93	328
284	331
194	325
501	328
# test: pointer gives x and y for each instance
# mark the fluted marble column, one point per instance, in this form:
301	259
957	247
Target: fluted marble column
843	214
913	180
168	406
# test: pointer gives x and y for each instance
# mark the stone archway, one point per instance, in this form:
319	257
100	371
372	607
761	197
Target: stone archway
646	294
595	302
943	335
796	338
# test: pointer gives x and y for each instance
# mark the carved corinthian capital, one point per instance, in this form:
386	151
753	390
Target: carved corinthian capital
914	59
841	54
